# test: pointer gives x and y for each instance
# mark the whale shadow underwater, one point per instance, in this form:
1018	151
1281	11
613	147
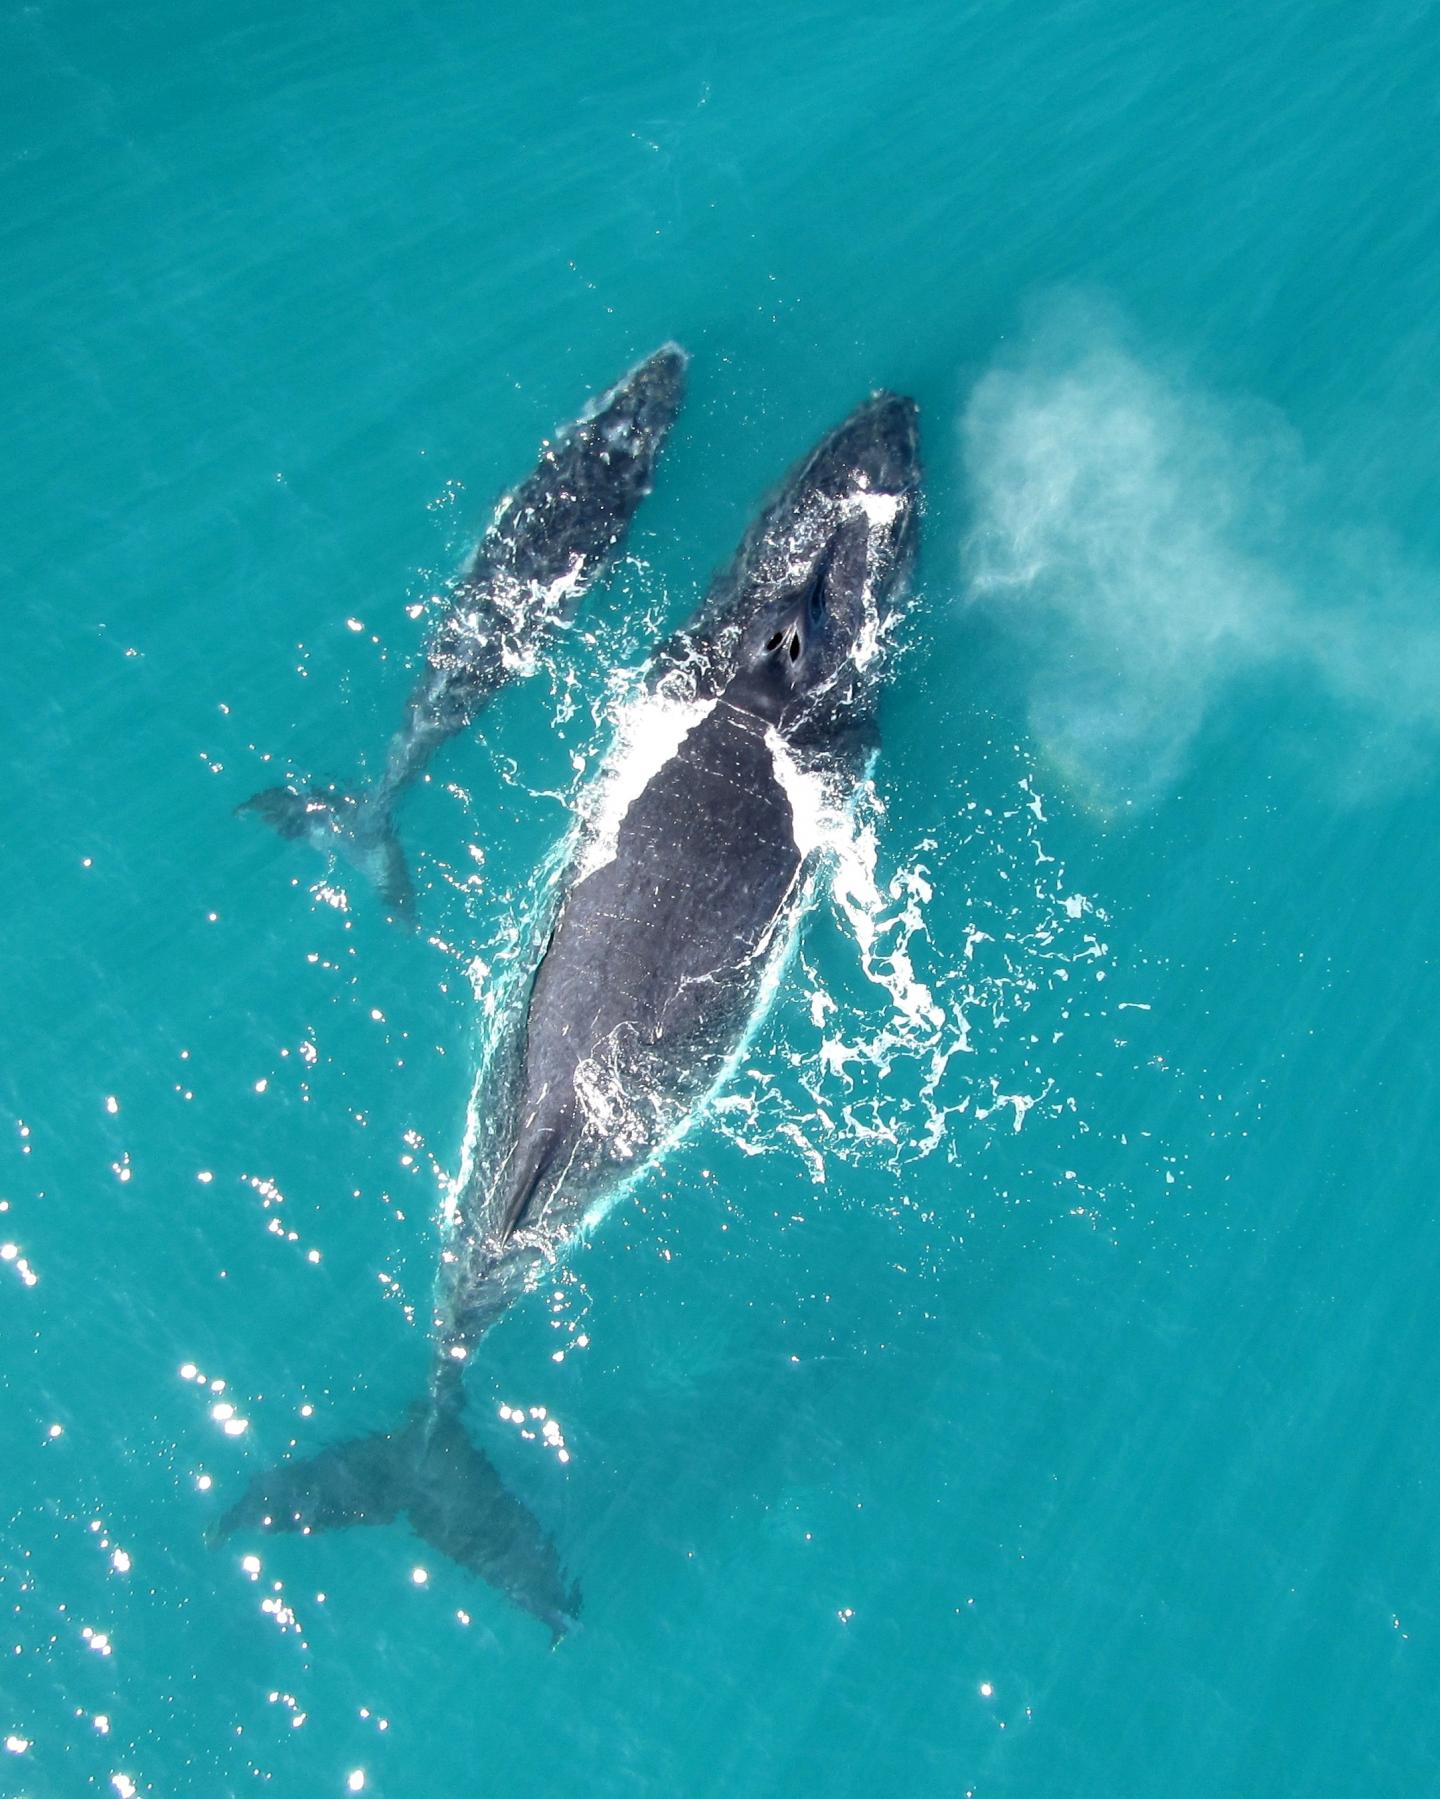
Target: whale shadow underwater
662	946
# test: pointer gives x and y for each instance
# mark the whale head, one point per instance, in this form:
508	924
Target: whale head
625	427
875	451
818	581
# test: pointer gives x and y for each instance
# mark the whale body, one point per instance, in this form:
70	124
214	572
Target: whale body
649	971
548	542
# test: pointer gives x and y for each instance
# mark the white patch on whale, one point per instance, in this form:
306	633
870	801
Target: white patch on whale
648	732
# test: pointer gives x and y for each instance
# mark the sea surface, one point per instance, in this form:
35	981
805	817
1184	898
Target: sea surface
1023	1382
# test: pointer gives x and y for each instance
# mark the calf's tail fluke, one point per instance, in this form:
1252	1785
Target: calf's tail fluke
356	826
430	1473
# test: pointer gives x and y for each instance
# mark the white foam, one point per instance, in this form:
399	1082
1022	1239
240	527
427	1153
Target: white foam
648	732
951	1046
881	509
826	823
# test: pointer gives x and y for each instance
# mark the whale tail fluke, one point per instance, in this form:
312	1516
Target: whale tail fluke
434	1476
349	1483
357	826
430	1472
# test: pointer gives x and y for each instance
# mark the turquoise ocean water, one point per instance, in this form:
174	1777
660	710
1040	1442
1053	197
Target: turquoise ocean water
1025	1381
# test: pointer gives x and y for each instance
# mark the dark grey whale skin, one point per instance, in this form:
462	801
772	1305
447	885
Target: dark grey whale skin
549	540
649	974
654	958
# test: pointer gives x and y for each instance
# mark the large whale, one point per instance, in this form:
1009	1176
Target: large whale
681	892
549	539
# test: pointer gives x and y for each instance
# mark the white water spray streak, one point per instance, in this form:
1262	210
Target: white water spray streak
1152	544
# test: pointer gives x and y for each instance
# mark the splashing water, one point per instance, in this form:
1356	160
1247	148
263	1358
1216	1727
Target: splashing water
897	1027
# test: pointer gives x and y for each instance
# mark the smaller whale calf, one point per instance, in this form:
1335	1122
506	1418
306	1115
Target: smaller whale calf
550	540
